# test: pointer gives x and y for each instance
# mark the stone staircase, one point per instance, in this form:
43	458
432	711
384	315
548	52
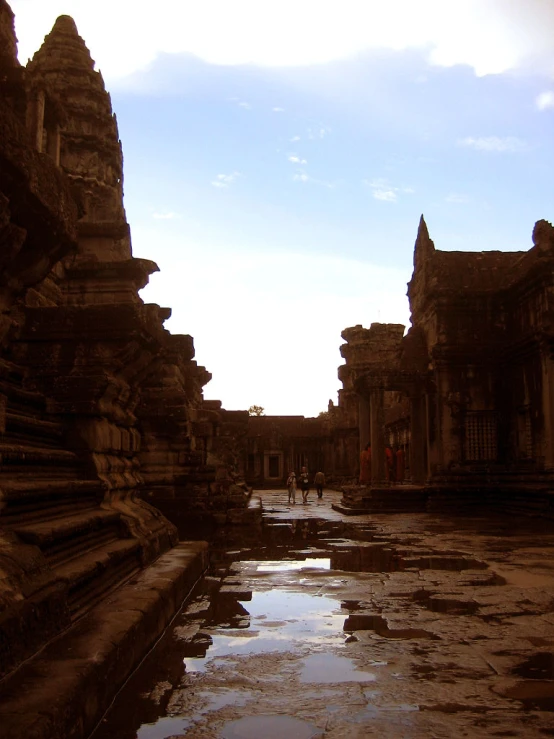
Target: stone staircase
50	500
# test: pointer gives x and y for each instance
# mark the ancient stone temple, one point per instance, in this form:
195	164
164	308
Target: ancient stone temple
101	408
466	394
275	445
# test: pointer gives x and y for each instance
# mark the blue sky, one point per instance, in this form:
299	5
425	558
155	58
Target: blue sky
278	157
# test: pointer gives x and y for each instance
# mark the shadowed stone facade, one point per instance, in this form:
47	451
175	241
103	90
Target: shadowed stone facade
101	408
470	385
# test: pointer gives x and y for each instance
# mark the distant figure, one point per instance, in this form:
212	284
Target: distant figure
304	484
291	486
319	482
389	467
365	465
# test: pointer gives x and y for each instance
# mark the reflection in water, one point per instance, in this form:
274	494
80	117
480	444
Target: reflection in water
164	727
320	563
326	667
279	621
270	727
227	621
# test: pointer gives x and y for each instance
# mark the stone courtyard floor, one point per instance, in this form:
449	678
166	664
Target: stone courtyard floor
320	625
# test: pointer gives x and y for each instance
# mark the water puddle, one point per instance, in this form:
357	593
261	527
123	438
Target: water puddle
278	620
534	695
318	563
270	727
177	725
378	624
538	667
328	668
163	728
273	628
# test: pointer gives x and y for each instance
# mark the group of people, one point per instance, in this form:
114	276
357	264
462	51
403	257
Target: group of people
304	483
395	465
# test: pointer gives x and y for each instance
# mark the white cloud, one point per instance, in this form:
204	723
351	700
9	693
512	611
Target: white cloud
278	110
492	36
455	197
302	176
383	190
545	100
318	132
494	143
224	180
295	159
295	138
389	196
168	216
244	105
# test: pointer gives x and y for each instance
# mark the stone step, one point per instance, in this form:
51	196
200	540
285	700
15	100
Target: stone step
66	550
95	573
24	402
87	664
10	372
25	454
20	429
65	538
46	510
19	490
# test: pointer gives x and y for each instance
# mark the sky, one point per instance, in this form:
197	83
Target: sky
278	156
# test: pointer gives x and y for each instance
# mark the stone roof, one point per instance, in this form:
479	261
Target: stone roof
485	270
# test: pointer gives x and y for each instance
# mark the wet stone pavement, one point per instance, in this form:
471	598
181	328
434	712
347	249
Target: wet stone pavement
320	625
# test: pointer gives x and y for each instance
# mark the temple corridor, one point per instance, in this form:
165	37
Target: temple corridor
316	624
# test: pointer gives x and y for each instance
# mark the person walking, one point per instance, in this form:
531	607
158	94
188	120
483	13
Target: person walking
291	486
304	484
319	482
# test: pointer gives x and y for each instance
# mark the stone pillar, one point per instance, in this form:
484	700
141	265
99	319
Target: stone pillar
377	429
53	142
431	429
418	439
449	436
548	409
363	421
35	118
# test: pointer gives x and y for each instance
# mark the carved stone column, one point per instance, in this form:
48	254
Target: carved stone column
35	117
418	438
450	406
363	421
377	428
53	142
548	408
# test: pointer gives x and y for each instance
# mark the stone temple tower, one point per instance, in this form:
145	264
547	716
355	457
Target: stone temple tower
91	151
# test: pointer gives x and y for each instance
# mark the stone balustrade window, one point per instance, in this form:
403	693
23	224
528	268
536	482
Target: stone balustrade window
481	436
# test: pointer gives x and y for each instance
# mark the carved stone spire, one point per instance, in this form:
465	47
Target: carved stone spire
8	40
90	146
424	247
424	251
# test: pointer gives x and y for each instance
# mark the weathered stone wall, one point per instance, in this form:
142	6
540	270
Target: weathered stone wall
101	408
275	445
475	371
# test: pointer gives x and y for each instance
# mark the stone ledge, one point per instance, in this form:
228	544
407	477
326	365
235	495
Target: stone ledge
348	511
65	689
